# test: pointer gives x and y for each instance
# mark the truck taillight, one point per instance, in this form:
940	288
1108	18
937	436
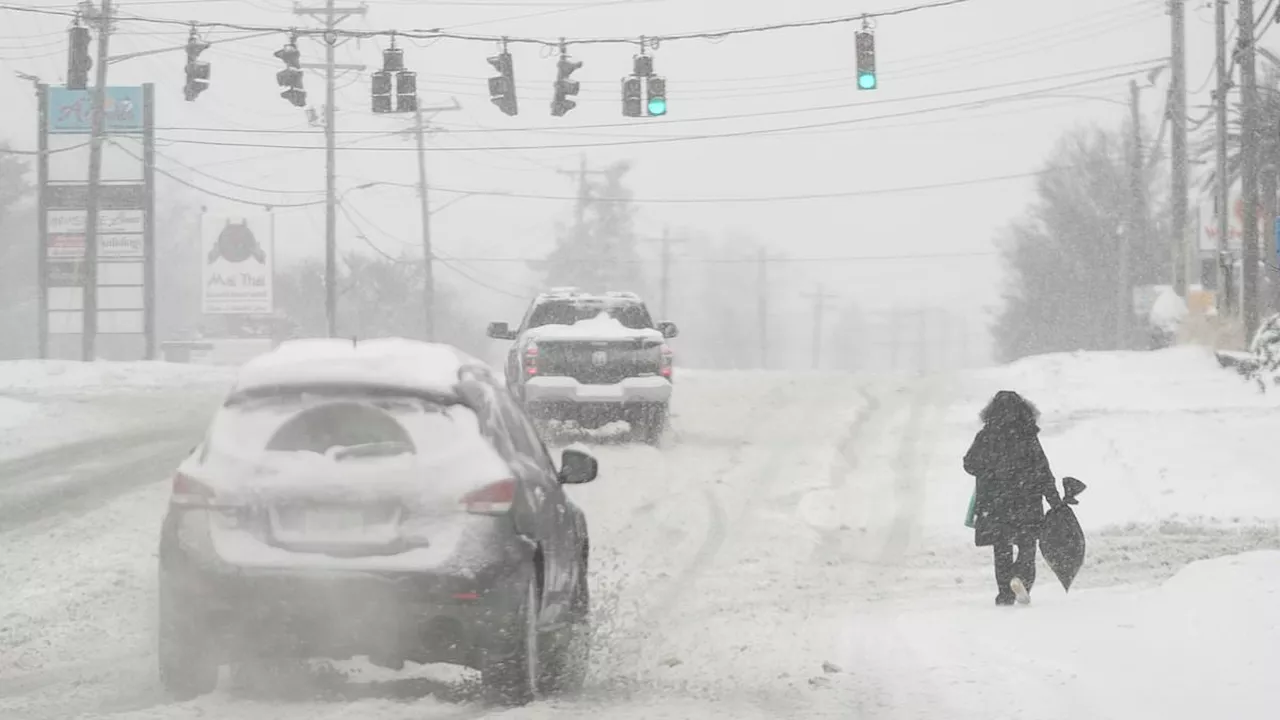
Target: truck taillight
665	367
531	360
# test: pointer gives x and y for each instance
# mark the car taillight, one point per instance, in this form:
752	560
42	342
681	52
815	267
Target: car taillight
189	491
493	499
531	360
665	367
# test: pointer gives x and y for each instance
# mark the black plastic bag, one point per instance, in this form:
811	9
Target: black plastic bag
1061	539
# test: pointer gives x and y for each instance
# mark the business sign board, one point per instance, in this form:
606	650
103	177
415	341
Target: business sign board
123	328
237	265
76	196
75	222
71	111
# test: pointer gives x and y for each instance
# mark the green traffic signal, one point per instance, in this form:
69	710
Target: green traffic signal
657	106
867	81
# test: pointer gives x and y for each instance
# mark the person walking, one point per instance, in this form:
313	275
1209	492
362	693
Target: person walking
1012	480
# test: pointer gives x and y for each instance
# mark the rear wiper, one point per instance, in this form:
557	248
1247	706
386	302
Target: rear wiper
378	449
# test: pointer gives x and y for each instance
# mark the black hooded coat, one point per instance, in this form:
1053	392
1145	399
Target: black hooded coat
1012	472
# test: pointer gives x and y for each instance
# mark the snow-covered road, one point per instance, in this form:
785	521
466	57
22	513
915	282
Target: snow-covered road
794	551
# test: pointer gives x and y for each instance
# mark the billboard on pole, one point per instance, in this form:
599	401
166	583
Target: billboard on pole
237	265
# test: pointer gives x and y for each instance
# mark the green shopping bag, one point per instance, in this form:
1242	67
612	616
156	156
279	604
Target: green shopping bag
971	515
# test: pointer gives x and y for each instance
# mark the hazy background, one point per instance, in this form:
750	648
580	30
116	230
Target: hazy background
926	60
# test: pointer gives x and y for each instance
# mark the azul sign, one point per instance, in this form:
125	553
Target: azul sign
71	111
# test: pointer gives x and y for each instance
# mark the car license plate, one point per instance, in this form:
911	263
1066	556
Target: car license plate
599	358
333	522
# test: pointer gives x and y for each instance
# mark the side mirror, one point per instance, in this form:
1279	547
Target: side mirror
577	467
668	329
500	331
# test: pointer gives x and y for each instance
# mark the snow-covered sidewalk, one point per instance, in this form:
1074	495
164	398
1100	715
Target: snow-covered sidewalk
1205	644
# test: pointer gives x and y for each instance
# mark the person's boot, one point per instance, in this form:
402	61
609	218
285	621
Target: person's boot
1020	591
1005	599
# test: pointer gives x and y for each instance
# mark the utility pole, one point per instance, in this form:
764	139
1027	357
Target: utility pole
1137	222
428	255
762	305
584	192
89	329
1248	167
332	16
664	297
1178	144
1225	287
820	299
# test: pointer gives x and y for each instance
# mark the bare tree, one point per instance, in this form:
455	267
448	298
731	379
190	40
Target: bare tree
1063	255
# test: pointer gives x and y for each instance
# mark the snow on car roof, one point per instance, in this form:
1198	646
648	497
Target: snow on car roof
383	362
600	327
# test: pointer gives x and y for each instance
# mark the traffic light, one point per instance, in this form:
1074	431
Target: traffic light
866	48
657	102
643	81
406	84
632	103
290	77
381	87
406	91
78	59
197	72
502	87
565	87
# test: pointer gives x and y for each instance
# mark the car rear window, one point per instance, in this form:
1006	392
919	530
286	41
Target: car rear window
340	425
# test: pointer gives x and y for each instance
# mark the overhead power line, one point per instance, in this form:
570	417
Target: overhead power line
687	138
438	33
1132	67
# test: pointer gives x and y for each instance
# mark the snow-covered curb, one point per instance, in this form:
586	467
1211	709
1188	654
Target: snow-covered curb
40	377
50	403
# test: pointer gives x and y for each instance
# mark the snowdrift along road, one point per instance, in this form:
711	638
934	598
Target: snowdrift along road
795	550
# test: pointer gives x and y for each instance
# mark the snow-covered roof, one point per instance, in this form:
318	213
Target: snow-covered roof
600	327
383	362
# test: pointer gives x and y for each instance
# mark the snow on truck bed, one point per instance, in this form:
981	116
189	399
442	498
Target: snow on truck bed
601	327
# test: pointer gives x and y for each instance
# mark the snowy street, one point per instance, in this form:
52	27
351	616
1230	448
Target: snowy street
794	549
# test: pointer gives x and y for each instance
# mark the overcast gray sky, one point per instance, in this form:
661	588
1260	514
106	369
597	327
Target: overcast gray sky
930	59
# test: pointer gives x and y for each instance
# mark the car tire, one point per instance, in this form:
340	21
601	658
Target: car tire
652	424
513	679
566	666
188	668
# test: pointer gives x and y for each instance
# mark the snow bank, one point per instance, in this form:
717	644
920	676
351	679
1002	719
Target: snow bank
1183	378
50	403
1204	644
15	413
1156	436
38	377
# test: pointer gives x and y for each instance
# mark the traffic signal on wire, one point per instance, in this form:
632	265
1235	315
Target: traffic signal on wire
865	43
79	61
290	78
197	72
564	87
502	87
